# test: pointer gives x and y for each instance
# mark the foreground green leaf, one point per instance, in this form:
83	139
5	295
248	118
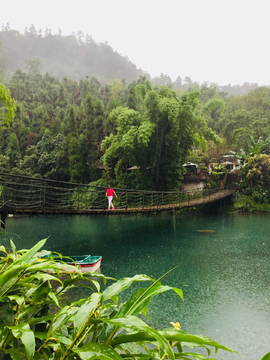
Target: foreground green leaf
88	328
266	356
137	303
25	258
85	312
171	335
10	276
27	337
133	323
122	285
97	351
61	318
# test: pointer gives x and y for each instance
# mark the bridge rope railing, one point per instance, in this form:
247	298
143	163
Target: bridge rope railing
26	193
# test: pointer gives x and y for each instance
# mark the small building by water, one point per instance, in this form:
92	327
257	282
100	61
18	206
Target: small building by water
229	165
194	178
191	168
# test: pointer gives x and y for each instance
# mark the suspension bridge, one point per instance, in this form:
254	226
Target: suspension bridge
26	195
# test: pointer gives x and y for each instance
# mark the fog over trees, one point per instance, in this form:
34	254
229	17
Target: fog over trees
87	114
77	56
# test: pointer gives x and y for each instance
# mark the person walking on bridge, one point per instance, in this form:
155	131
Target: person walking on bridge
109	193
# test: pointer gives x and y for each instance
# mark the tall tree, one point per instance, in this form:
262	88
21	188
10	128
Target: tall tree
92	133
245	116
156	139
13	150
7	105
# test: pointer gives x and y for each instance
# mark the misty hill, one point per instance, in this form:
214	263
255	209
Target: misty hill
74	56
78	56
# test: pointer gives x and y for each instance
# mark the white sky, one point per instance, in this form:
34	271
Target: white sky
220	41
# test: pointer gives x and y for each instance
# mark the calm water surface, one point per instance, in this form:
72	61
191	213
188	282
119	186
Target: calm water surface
224	275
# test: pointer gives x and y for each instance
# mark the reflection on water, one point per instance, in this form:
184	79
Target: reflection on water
224	274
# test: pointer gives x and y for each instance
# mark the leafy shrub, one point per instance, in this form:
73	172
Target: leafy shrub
256	199
93	328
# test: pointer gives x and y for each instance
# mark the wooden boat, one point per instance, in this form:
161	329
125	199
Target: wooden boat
86	263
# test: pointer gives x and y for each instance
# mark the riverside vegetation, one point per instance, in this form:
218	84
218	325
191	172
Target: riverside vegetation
38	322
254	195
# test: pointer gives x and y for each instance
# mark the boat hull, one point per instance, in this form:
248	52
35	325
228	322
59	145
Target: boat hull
86	268
86	263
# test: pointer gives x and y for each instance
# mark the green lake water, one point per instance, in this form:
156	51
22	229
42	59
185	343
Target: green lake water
224	275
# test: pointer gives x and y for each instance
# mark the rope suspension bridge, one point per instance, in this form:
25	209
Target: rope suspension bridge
23	194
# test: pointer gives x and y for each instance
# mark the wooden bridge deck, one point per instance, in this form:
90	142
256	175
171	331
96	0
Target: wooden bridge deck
220	194
21	194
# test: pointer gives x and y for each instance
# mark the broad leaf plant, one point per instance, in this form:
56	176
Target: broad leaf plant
38	322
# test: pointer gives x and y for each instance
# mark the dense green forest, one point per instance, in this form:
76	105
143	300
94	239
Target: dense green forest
135	135
60	130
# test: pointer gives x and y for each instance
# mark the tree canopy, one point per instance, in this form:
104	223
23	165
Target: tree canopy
7	111
245	116
142	134
150	144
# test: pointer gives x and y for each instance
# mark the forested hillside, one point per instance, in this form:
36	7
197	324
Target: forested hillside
187	84
246	116
135	135
75	56
60	128
84	131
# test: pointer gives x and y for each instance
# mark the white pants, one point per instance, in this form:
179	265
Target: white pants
110	198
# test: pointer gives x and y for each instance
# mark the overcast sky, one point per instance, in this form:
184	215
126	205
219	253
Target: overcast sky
208	40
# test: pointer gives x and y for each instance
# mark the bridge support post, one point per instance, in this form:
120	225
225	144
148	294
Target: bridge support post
78	206
3	220
44	192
